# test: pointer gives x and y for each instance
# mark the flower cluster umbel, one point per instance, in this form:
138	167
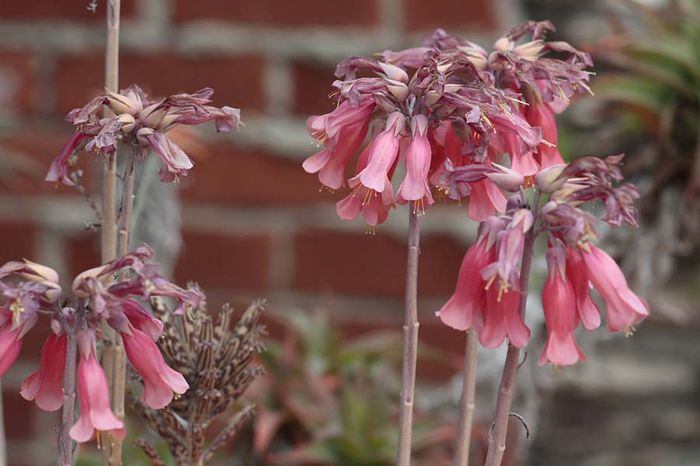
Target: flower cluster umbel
113	294
465	121
488	294
134	119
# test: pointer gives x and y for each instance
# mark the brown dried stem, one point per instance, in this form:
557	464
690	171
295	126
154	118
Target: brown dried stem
65	444
410	349
114	359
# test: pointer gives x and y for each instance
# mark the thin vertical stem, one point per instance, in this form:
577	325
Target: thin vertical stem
410	349
113	356
497	439
466	406
65	444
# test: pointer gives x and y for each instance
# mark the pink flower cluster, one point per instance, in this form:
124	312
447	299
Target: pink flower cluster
113	294
142	123
465	121
488	293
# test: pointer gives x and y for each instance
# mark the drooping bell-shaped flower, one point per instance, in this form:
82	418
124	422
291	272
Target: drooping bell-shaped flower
383	151
624	308
503	319
10	346
160	382
415	187
93	392
577	274
464	310
45	386
559	303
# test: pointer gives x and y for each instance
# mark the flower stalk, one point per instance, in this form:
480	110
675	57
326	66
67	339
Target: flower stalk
410	349
65	443
467	404
497	437
114	360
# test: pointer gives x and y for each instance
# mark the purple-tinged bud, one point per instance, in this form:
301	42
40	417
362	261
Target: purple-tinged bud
503	44
549	179
78	289
123	104
397	89
127	122
522	218
529	51
431	97
142	136
394	72
507	179
151	116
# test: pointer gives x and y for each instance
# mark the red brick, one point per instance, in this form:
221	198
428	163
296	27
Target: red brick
312	86
372	265
59	9
18	414
83	252
17	82
16	241
284	13
228	261
450	14
228	174
35	148
236	80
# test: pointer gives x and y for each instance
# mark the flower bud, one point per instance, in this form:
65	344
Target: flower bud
78	288
548	179
141	135
46	273
503	44
127	121
394	72
507	179
530	50
123	104
151	115
431	97
398	89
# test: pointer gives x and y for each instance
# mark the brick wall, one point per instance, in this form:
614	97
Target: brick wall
254	223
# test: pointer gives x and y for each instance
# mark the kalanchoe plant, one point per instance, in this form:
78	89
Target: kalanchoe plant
466	122
132	118
113	295
215	359
493	281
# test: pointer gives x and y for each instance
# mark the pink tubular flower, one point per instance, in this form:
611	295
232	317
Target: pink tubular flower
140	318
45	386
464	310
10	346
539	114
577	275
485	200
418	155
342	131
95	413
160	381
559	303
382	154
624	308
502	319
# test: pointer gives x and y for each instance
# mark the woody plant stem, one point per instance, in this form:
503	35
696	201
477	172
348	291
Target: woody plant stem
410	344
113	358
466	406
497	438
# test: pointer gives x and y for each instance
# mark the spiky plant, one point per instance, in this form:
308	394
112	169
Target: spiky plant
215	358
